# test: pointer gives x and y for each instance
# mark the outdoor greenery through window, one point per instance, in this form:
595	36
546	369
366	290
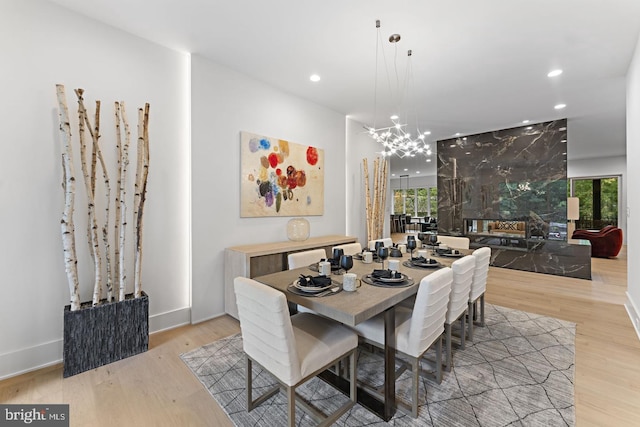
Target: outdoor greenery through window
417	202
598	201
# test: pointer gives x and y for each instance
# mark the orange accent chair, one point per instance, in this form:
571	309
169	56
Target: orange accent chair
605	243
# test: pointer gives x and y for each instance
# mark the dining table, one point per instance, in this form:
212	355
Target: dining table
353	307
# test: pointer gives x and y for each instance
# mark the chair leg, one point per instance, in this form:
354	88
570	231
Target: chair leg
482	310
291	405
447	331
463	330
248	383
415	366
470	317
439	359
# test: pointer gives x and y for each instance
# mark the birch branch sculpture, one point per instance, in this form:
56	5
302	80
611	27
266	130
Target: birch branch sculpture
68	184
142	173
123	205
115	273
89	183
116	225
375	205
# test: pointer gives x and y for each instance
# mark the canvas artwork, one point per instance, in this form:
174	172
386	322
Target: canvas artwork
280	178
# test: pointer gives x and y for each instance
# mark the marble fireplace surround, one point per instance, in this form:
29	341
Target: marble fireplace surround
516	181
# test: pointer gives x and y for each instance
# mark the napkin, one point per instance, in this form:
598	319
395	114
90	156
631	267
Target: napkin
422	260
317	281
385	274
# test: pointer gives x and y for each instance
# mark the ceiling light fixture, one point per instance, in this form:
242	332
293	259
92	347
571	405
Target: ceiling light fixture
525	121
554	73
395	137
314	78
560	106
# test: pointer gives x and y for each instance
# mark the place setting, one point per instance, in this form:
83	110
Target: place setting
421	261
314	286
329	265
390	277
445	251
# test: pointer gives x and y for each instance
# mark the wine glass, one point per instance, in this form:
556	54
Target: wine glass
411	245
422	237
346	262
337	254
378	245
383	253
433	239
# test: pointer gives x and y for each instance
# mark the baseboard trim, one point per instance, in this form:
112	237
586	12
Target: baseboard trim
634	314
50	353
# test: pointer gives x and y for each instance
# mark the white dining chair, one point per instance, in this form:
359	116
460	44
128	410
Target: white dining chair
478	287
454	242
387	243
458	302
306	258
293	349
417	329
349	248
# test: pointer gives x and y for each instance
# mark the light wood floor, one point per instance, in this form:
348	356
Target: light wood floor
157	389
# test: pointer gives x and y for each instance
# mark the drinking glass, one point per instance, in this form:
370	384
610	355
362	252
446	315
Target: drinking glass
383	253
337	254
411	245
422	237
378	245
346	262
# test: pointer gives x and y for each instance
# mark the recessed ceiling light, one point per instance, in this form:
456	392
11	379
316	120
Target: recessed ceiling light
427	132
458	134
560	106
417	171
406	169
554	73
393	174
394	117
314	78
526	121
428	160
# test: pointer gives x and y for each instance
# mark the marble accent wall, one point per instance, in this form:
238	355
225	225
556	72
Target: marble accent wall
511	174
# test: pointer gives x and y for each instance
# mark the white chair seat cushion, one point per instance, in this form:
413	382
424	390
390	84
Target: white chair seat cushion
373	330
319	340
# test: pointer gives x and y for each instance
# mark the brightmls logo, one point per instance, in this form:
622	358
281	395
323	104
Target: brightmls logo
35	415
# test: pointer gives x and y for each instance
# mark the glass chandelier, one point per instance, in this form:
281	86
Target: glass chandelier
395	138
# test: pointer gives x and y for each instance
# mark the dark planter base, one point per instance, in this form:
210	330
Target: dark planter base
96	336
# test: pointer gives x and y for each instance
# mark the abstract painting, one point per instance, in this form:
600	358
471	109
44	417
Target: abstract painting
280	178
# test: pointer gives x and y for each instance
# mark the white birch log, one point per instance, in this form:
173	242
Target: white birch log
116	225
92	224
141	189
97	152
367	193
123	205
68	184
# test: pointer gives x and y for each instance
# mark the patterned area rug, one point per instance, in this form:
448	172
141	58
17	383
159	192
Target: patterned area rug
517	372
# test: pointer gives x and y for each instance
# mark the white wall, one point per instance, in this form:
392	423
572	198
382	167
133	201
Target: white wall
224	103
43	44
633	197
605	166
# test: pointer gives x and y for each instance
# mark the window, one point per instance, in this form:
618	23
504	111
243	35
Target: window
417	202
598	201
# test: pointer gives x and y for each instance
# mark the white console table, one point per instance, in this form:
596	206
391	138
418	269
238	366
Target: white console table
265	258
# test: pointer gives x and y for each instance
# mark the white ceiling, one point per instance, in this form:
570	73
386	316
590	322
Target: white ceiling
477	65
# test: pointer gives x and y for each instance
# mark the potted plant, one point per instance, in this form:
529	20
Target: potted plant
115	325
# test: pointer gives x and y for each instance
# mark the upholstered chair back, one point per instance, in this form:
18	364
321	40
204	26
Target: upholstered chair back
387	242
349	248
303	259
461	287
479	282
429	311
267	334
454	241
